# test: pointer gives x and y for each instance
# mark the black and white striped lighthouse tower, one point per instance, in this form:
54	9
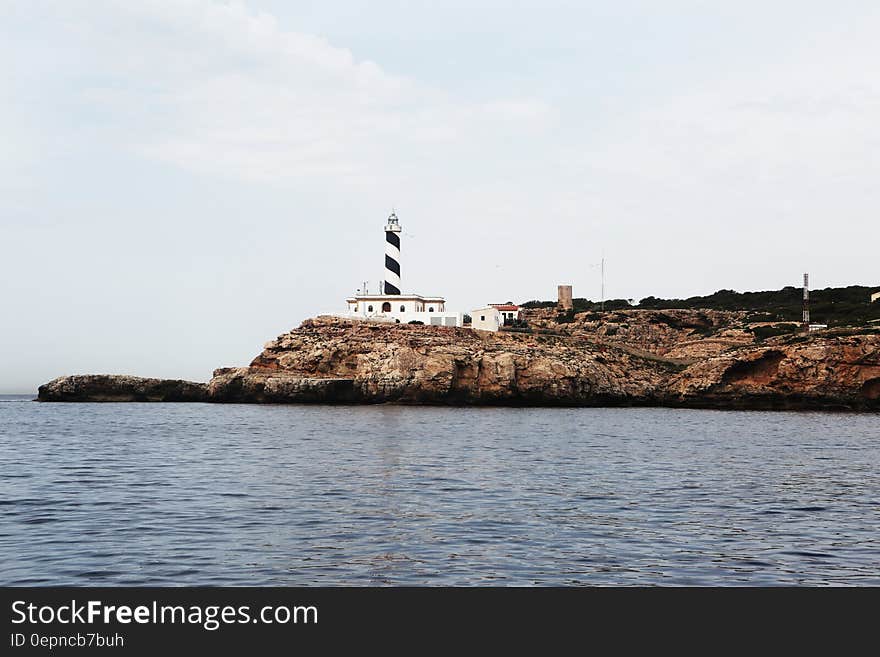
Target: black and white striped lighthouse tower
392	255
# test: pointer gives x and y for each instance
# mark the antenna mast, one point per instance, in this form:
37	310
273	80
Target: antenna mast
806	302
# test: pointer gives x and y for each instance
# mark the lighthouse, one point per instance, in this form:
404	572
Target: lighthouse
392	255
391	305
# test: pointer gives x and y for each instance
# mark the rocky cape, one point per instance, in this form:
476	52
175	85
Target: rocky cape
678	358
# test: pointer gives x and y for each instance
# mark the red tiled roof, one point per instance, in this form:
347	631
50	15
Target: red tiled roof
504	306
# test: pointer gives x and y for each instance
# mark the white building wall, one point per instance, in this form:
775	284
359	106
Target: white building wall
435	318
397	305
404	310
486	319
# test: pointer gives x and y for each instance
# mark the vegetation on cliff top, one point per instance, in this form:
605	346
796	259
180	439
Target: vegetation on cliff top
582	305
841	306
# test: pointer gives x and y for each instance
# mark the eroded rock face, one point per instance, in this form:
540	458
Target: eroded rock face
430	364
377	363
121	388
828	372
675	334
246	385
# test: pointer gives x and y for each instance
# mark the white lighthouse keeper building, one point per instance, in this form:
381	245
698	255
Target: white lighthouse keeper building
391	305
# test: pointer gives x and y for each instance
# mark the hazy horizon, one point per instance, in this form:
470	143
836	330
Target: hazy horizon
184	180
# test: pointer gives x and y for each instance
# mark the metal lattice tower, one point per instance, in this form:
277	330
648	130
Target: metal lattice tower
806	302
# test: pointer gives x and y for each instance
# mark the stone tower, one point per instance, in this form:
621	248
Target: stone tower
565	301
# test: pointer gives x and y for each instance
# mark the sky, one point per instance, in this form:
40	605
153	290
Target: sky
183	180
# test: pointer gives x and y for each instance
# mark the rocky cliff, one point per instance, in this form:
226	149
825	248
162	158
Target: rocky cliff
676	334
834	372
367	362
670	358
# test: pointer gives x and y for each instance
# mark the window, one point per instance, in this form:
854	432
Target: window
369	309
386	307
431	309
403	309
355	308
482	318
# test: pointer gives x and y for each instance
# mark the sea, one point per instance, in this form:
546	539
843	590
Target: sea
206	494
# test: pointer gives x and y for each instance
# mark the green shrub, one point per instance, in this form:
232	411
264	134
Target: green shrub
565	318
764	332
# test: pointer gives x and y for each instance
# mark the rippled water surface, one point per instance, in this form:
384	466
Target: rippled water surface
165	494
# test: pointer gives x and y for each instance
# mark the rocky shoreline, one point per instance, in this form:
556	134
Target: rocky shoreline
692	359
121	388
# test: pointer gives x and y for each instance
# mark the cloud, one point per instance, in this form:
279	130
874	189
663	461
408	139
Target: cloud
652	178
797	137
222	89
